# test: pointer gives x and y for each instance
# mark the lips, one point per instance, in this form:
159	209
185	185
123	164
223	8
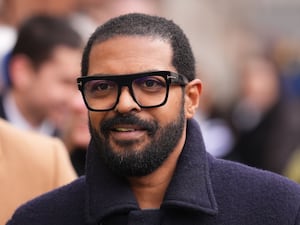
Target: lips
122	129
127	133
126	128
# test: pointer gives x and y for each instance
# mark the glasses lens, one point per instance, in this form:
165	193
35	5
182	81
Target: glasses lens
101	94
149	90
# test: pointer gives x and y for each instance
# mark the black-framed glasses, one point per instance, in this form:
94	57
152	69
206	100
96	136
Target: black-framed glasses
148	90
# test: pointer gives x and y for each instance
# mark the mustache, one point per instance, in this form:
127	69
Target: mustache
149	126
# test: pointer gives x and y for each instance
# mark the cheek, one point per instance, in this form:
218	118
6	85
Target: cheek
169	112
175	99
95	118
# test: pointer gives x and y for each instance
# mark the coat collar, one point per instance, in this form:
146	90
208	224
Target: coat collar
190	188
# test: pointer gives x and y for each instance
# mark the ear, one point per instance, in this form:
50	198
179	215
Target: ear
192	95
21	72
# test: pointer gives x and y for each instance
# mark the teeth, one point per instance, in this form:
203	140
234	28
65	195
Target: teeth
120	129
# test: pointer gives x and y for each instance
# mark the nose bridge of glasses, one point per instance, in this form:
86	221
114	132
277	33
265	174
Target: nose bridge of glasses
126	81
126	100
126	90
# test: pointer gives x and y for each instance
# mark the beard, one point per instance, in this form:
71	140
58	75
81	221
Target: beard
131	162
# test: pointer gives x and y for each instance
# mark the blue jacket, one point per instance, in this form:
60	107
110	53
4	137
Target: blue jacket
204	190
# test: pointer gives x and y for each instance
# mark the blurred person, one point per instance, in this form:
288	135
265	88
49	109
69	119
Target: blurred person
214	125
146	162
40	73
76	134
267	124
14	12
30	164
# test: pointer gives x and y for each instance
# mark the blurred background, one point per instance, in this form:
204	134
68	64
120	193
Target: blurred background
248	57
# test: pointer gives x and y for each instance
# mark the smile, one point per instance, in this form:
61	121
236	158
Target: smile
127	132
127	128
122	129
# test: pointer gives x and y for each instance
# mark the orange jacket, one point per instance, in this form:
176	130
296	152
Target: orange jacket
30	164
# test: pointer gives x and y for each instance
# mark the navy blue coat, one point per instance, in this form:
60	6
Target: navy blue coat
204	190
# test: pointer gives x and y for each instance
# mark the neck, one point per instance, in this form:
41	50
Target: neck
150	190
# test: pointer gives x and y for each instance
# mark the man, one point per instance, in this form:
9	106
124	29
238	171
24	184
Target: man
30	164
40	74
146	161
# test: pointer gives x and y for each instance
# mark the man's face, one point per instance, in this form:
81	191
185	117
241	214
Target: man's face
54	84
135	141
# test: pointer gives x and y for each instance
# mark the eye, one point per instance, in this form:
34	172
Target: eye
100	87
150	83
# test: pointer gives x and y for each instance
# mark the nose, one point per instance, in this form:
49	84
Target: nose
126	102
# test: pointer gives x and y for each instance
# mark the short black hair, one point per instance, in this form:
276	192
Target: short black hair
137	24
40	35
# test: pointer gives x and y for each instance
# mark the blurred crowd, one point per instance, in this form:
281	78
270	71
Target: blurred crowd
251	97
249	61
40	53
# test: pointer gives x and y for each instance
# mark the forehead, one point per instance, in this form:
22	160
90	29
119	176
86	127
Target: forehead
130	54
